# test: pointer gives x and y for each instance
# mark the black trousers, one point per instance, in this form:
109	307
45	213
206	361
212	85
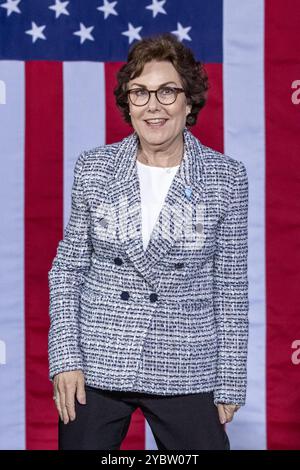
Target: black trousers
178	422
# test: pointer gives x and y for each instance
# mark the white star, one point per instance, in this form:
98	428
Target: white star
36	31
182	32
157	7
60	8
132	32
11	6
108	8
85	33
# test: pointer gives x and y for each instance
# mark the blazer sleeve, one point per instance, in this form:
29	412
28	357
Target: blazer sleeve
231	302
66	276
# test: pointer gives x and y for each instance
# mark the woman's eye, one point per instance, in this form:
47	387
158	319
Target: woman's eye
140	92
166	91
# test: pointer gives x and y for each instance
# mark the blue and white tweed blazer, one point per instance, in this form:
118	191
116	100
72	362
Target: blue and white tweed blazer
172	319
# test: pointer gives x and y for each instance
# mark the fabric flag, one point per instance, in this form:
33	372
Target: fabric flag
58	64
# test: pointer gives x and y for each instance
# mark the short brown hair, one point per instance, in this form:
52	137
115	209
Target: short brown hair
164	47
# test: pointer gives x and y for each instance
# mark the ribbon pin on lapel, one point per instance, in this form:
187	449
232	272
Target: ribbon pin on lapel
188	192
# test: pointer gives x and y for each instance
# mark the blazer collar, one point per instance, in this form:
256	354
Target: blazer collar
190	169
124	186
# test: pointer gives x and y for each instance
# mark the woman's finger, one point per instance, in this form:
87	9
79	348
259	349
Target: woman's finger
64	411
222	414
57	403
80	393
57	400
229	411
70	401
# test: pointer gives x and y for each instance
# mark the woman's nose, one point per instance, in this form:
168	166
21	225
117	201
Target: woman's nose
153	102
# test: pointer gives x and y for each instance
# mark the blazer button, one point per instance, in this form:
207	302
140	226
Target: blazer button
103	223
118	261
153	297
199	228
179	265
125	295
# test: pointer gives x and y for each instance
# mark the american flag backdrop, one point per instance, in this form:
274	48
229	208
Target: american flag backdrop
58	64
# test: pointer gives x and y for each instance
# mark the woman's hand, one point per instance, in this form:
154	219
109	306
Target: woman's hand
226	412
65	385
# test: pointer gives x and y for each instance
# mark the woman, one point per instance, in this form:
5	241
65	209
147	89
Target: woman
149	287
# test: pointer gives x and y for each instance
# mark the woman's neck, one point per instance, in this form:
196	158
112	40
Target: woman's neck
169	157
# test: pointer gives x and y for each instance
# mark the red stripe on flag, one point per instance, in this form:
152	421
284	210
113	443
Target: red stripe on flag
282	52
43	230
209	128
116	127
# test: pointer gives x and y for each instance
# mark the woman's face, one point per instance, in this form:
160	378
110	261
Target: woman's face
153	76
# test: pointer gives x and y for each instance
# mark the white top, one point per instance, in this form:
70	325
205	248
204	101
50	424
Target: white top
154	184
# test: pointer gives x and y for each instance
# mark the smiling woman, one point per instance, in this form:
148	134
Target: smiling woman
168	95
191	74
148	292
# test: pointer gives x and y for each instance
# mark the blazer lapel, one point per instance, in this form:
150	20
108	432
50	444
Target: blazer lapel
122	192
177	219
180	207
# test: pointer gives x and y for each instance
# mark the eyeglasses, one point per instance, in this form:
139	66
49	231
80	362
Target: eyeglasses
165	95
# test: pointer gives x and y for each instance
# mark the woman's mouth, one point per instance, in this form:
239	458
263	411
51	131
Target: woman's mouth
155	123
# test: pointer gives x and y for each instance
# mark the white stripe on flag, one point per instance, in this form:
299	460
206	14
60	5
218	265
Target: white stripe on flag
150	443
12	335
244	136
84	117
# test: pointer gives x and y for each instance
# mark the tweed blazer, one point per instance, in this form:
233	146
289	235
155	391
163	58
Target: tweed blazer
171	319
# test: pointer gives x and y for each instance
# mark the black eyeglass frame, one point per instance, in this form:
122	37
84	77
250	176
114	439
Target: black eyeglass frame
178	90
